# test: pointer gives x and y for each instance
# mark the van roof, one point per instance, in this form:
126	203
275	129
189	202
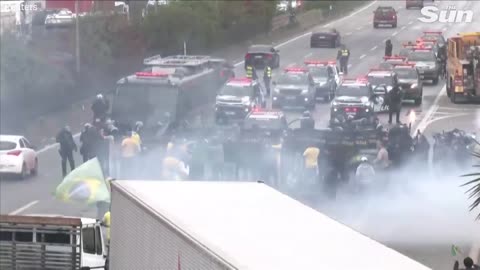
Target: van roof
250	225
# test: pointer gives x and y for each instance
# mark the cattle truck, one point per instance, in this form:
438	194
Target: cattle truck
205	225
463	67
51	242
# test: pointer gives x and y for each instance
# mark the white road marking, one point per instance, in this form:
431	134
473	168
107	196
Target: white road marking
374	48
425	120
52	146
352	14
23	208
410	22
394	33
307	55
403	27
348	34
362	56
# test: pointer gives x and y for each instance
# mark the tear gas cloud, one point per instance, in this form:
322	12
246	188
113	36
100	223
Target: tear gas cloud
417	207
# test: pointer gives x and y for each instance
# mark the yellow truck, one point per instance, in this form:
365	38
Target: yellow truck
463	68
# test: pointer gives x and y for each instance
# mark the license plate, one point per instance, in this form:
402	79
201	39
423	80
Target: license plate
321	37
230	113
258	57
351	113
290	97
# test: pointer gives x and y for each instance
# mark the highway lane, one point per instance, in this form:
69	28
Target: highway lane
359	35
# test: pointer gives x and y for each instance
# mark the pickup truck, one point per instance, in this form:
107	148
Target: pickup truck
51	242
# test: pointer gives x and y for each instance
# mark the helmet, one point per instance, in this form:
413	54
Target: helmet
364	159
99	96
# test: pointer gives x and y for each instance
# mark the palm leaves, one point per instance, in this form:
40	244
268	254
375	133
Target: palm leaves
474	191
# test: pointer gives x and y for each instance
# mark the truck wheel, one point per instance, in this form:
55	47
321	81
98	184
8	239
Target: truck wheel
24	173
34	171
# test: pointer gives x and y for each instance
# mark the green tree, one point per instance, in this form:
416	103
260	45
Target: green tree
474	191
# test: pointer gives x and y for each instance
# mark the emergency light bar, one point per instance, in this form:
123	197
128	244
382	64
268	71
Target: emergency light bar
404	65
394	57
296	70
243	80
151	74
323	63
432	32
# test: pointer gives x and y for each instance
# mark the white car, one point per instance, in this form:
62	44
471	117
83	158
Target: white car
17	156
62	17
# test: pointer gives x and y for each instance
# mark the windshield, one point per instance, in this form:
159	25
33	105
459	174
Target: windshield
7	145
140	102
319	72
268	123
297	78
406	73
422	56
353	91
236	90
378	80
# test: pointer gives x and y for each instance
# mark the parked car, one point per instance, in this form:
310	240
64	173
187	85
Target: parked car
17	156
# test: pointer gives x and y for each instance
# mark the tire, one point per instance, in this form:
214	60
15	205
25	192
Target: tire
34	171
435	81
394	25
375	25
24	173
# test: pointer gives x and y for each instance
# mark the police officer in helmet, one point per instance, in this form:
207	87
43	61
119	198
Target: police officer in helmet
251	72
307	121
343	55
267	78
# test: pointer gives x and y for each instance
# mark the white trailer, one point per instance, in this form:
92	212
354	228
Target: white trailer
233	225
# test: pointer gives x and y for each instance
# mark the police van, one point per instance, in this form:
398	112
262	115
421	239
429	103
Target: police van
165	95
237	98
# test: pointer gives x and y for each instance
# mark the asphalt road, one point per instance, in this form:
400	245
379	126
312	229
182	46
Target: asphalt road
411	229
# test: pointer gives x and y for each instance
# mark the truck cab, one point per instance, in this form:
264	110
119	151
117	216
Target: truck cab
62	242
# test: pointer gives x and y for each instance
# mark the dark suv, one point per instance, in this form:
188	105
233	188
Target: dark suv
413	3
385	16
260	56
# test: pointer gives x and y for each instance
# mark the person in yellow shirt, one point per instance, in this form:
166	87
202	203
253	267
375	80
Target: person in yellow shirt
311	155
106	223
174	169
129	150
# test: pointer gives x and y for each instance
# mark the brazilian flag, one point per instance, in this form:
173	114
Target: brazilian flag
86	184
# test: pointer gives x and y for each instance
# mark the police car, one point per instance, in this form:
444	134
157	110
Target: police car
354	98
237	98
426	62
382	82
390	61
267	122
294	88
326	77
409	80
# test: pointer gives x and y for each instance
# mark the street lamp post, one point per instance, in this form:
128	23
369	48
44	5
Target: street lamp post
77	37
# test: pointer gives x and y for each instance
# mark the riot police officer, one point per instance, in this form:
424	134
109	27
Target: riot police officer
307	121
267	78
388	47
251	72
343	55
395	103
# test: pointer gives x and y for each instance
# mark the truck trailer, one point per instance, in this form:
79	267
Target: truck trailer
206	225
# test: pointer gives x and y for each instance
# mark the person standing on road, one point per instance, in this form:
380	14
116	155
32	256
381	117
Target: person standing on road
382	161
267	78
395	104
469	264
87	138
343	55
100	108
311	156
388	47
130	151
67	146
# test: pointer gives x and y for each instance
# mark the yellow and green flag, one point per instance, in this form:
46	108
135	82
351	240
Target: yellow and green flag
455	250
85	184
